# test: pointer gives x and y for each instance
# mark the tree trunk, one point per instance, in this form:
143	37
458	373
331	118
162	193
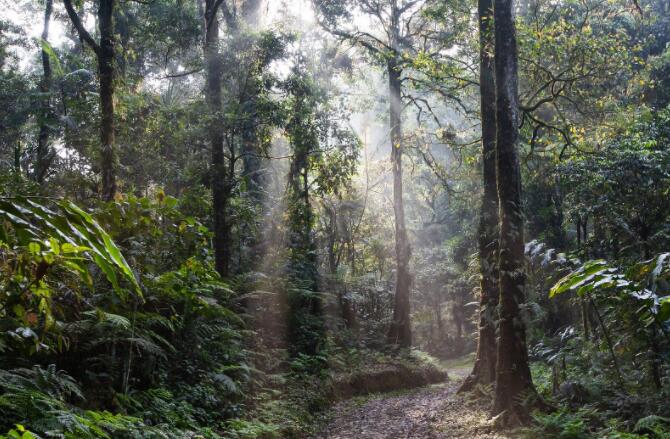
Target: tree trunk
578	226
255	181
655	359
400	332
558	234
484	369
251	11
331	214
585	318
253	174
458	316
18	152
222	250
43	159
306	328
121	27
301	217
251	160
106	70
514	383
104	52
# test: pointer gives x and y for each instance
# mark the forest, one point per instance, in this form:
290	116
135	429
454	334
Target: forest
344	219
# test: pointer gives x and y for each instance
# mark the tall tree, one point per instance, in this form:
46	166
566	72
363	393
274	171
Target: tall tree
400	331
400	22
44	155
306	325
243	115
104	51
218	175
248	48
484	369
514	383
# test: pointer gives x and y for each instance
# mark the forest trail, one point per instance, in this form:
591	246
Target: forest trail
434	412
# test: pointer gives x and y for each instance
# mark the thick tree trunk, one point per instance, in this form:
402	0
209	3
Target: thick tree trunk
104	52
400	332
43	156
106	70
514	383
485	362
222	250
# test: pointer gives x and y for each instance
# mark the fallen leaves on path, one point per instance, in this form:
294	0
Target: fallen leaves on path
434	412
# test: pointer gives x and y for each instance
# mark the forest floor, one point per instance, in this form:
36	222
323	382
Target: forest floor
434	412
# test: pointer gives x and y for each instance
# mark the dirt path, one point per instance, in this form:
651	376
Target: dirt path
434	412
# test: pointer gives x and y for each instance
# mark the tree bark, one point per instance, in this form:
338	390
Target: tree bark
578	226
484	369
400	332
221	241
43	156
514	383
106	72
585	318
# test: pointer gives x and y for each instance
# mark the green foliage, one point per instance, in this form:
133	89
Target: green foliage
39	398
646	283
590	423
561	425
565	97
623	190
113	321
181	333
48	248
19	433
657	426
67	228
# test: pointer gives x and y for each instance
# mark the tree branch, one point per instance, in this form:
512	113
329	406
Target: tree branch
81	30
182	74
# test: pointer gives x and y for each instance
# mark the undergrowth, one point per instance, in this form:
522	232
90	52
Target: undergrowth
588	407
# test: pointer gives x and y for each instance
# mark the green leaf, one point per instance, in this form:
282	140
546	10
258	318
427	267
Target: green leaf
112	251
55	246
579	277
664	309
78	232
34	248
46	47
